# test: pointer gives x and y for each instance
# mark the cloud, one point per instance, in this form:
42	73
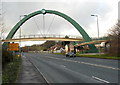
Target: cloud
79	10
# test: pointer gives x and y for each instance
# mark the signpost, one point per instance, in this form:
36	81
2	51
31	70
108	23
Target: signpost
13	47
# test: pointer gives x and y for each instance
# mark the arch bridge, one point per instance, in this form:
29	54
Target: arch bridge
43	11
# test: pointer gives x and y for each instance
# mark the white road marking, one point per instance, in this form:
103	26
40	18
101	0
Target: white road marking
100	79
97	65
39	72
63	66
23	56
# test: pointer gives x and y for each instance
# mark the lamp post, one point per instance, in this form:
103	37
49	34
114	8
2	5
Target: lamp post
20	33
97	30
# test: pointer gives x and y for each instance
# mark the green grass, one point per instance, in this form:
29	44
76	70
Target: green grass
11	71
59	53
104	56
0	79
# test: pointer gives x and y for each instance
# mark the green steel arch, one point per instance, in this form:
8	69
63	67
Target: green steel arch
70	20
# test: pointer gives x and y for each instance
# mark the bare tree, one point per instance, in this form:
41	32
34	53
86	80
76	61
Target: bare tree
2	25
114	36
2	29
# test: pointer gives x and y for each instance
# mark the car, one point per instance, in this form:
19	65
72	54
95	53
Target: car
70	54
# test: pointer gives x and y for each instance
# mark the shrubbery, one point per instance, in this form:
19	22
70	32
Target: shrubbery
11	70
11	64
114	36
6	57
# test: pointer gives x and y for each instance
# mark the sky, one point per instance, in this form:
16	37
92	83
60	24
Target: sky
79	10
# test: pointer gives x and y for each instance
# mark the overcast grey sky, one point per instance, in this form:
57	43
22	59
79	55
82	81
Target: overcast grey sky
79	10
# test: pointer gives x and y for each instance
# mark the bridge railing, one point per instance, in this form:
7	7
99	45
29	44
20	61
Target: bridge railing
46	36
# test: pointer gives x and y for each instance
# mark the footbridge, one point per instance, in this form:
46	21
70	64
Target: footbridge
91	42
75	24
44	37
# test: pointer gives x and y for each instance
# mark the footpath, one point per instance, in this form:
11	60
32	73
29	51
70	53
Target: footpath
29	74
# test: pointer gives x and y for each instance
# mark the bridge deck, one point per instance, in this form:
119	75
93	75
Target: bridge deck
42	38
91	42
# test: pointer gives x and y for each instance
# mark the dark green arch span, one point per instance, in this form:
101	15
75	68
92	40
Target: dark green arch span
70	20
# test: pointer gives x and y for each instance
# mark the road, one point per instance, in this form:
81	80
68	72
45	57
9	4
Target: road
59	69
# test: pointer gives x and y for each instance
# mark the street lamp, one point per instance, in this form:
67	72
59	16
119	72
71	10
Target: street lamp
20	26
20	33
97	29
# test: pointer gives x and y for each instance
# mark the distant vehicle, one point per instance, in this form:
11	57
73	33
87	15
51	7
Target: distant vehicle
70	54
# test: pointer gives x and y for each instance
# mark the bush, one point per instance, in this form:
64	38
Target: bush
114	36
11	70
6	57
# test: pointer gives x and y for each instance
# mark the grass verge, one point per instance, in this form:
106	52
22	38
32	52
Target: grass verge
102	56
59	53
11	71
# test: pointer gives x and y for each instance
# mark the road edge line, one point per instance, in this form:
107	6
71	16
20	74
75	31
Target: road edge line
40	72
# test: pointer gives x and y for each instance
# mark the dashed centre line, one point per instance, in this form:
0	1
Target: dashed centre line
97	65
100	79
63	66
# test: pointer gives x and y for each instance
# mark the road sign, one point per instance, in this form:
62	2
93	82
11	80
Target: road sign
13	47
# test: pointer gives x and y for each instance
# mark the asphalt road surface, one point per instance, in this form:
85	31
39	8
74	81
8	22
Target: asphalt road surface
59	69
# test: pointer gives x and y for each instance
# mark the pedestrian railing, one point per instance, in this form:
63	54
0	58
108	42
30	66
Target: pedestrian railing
47	36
